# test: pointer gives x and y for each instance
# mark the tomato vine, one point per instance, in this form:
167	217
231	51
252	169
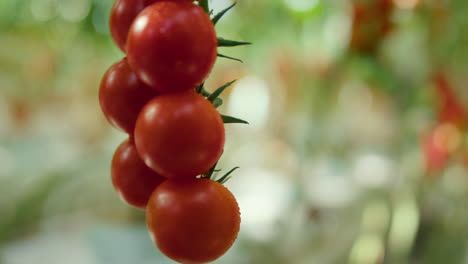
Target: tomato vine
157	95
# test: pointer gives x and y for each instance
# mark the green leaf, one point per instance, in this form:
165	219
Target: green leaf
218	16
232	120
204	4
231	58
218	91
226	176
230	43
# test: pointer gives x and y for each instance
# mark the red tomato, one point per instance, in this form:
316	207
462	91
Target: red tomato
122	96
193	220
172	46
450	108
131	177
122	15
371	23
435	152
179	134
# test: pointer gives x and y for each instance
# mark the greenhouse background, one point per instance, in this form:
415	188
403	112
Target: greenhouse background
356	152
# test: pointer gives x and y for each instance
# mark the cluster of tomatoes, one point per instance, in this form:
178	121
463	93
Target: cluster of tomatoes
444	141
371	22
176	135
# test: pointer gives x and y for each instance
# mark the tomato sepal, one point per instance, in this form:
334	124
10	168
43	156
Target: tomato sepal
218	16
230	58
204	4
233	120
226	176
218	91
222	42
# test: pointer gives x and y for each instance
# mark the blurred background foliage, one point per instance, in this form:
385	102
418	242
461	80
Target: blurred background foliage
357	150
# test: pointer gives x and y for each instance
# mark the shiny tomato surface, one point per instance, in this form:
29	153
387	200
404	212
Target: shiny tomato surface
172	46
122	96
193	220
179	134
131	178
123	13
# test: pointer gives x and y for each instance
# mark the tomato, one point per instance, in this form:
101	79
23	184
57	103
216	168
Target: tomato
122	15
371	23
435	151
193	220
179	134
450	108
131	177
172	46
122	96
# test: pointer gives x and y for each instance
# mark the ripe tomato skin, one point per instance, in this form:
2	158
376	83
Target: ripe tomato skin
131	177
122	96
172	46
123	13
179	134
193	220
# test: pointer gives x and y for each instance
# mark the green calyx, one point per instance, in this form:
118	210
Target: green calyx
223	179
214	97
230	58
218	16
204	4
221	41
206	7
230	43
233	120
217	101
